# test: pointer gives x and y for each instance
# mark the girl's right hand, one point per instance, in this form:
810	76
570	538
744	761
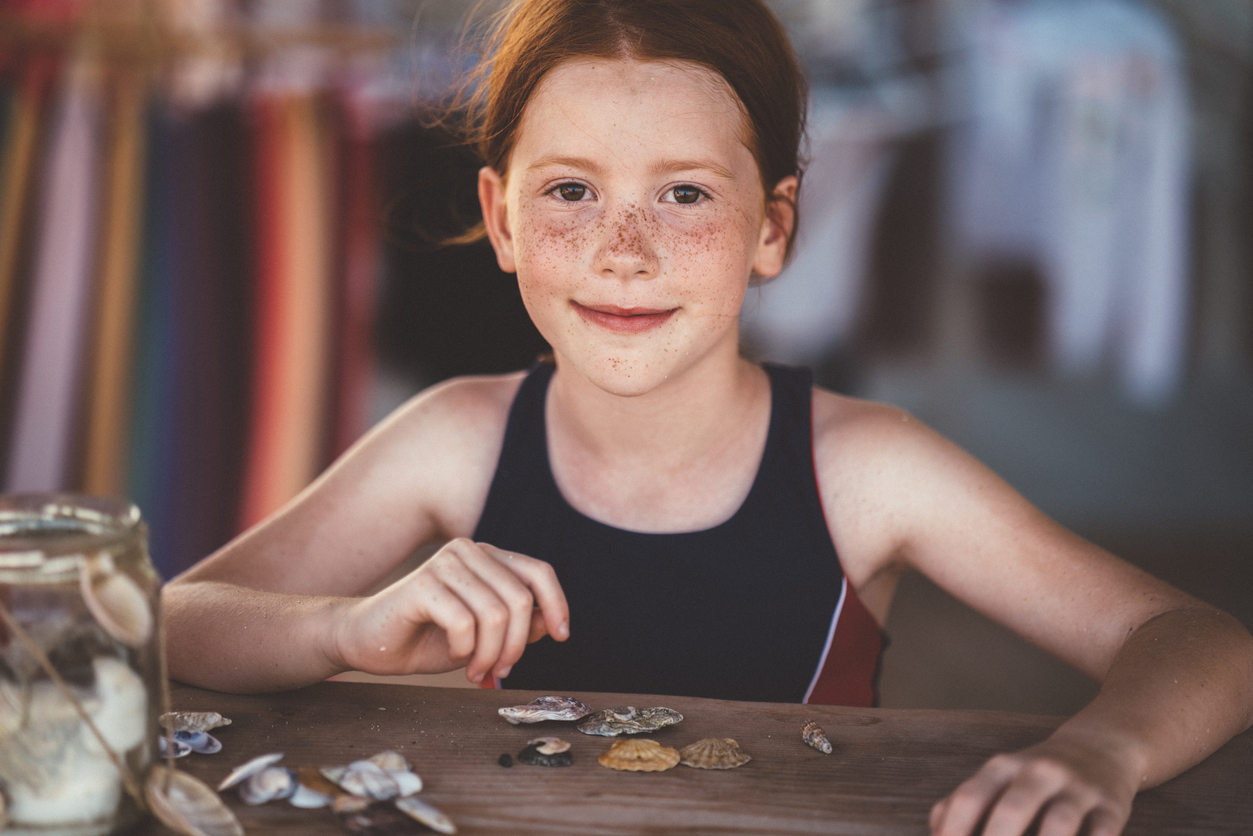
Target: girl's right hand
470	604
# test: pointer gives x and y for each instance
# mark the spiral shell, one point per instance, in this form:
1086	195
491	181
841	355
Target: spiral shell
813	734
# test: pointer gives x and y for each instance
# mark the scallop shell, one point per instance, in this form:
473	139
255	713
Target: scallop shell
813	734
117	603
546	708
188	805
193	721
547	751
273	783
249	769
630	720
425	813
639	756
714	753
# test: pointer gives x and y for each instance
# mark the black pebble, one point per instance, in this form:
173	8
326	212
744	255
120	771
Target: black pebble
506	760
532	755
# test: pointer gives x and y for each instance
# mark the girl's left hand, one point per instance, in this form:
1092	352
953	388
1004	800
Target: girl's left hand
1067	784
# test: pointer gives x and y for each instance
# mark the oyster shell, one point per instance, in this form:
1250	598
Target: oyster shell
270	784
547	751
117	603
188	805
192	721
714	753
636	755
425	813
249	769
630	720
813	734
546	708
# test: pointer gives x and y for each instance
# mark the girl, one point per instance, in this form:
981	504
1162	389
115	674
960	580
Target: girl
677	519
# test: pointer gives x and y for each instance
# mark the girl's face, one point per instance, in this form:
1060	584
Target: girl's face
634	216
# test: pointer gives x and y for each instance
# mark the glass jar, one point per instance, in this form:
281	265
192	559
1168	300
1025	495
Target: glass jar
79	663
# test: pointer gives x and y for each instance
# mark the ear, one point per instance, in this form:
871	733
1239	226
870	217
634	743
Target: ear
776	228
496	217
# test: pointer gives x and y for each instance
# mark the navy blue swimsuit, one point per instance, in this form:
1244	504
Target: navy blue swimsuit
746	610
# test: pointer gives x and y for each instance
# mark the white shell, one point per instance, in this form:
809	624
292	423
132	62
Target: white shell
307	799
249	769
408	782
391	761
425	813
117	603
270	784
188	806
364	779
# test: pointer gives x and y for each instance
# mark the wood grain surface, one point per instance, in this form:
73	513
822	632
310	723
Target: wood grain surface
887	768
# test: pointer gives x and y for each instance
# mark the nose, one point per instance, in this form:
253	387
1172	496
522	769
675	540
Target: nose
627	248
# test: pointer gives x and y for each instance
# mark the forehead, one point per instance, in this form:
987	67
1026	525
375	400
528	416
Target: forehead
610	102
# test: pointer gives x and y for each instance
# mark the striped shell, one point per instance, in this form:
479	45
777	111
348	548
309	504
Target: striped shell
713	753
813	734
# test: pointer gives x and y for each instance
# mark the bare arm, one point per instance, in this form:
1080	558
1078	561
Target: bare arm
1177	675
281	605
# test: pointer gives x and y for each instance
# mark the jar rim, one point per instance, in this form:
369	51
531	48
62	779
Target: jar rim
38	527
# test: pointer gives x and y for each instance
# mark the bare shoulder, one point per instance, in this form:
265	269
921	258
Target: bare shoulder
443	444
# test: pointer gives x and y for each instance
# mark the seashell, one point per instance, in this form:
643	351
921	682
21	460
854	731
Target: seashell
546	708
273	783
630	720
714	753
407	782
635	755
373	818
12	703
180	749
549	745
391	761
200	742
547	751
426	814
192	721
313	779
188	805
351	804
307	799
365	779
117	603
249	769
813	734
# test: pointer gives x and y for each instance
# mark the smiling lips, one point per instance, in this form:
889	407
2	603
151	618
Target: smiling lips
624	320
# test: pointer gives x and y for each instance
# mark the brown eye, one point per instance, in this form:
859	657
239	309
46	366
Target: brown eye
686	194
571	191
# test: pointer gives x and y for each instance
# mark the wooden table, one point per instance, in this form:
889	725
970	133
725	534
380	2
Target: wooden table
887	769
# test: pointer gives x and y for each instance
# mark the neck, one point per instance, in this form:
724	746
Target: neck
680	421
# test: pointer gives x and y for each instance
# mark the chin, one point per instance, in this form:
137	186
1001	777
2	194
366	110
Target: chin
626	377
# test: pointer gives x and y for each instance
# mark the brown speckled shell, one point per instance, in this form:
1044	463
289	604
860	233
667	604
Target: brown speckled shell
714	753
546	708
635	755
813	734
629	720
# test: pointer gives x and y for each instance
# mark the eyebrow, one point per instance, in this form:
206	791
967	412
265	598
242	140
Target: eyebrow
663	167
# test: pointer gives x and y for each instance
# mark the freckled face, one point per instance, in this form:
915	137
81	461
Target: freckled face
634	217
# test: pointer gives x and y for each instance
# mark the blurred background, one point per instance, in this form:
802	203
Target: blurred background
1026	221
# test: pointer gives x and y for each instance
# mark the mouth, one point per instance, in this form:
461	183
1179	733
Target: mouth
624	320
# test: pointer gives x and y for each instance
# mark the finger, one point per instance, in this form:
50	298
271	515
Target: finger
539	627
540	578
1063	817
490	613
968	805
496	569
1106	821
938	812
1035	785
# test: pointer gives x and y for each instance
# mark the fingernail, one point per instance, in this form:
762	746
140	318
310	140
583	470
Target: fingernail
478	677
503	672
564	629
